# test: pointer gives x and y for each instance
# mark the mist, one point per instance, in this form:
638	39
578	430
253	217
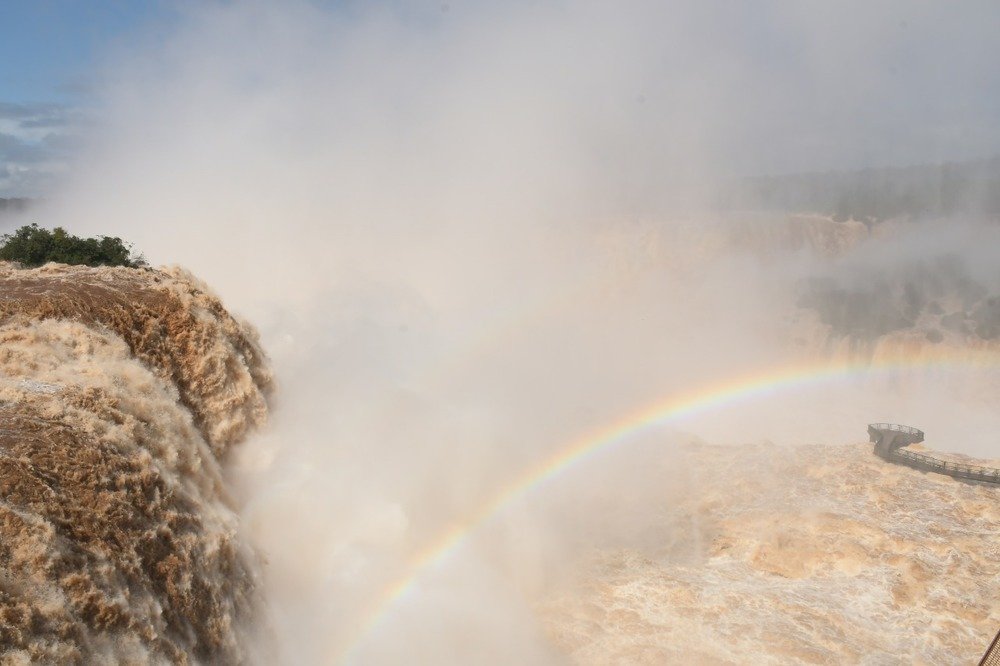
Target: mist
471	234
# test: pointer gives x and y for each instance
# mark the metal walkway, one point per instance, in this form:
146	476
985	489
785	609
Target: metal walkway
992	656
890	440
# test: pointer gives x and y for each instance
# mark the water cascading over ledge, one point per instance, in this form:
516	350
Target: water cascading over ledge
121	391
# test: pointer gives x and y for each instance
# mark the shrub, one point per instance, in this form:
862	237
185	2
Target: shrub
33	246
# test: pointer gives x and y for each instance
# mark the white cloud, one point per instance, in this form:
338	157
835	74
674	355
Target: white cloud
36	141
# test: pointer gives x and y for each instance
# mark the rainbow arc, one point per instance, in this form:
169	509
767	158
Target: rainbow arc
656	414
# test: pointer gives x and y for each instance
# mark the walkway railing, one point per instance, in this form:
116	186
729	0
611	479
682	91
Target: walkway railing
960	470
929	463
899	428
992	656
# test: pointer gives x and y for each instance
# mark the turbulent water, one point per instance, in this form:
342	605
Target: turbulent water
120	392
124	393
478	238
810	554
816	553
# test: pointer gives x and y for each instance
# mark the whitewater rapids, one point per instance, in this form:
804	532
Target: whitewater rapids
120	392
808	554
129	395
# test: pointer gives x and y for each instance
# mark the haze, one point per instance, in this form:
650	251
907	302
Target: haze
472	233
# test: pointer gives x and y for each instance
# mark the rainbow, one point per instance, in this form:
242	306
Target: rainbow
656	414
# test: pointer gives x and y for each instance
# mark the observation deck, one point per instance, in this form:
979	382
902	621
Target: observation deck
891	439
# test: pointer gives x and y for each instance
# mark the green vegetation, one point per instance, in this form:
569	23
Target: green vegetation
872	195
33	246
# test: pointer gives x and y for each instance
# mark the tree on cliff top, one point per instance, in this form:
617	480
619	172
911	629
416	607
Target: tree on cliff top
33	246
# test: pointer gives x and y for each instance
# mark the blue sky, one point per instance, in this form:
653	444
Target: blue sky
49	47
796	85
50	50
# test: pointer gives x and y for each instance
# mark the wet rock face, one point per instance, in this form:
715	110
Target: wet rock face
985	318
939	297
865	313
119	390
